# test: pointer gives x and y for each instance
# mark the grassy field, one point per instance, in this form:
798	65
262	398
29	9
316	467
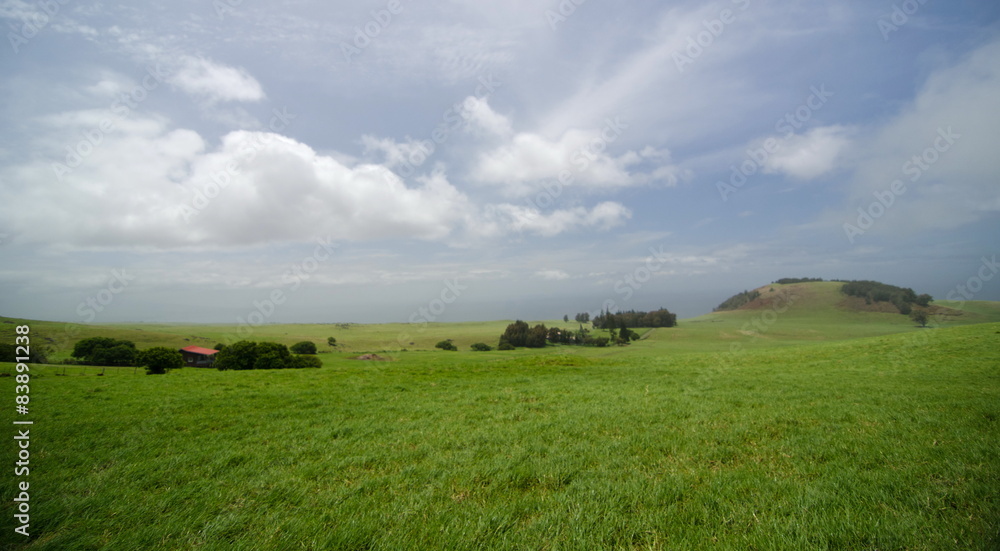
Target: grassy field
788	316
795	438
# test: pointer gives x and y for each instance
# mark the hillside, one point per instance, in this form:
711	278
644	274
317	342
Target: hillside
790	314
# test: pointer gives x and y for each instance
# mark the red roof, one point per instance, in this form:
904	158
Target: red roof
200	350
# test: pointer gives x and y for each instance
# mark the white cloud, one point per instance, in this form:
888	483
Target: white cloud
394	154
147	185
215	82
960	185
577	157
810	155
505	218
479	115
552	275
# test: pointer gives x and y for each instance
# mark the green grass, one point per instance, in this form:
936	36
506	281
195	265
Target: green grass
886	442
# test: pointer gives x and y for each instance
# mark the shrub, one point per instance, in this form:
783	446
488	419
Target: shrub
304	347
306	361
504	345
158	359
481	347
104	351
446	345
239	355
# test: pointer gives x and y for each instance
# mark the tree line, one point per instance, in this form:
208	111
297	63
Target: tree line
738	300
634	319
903	298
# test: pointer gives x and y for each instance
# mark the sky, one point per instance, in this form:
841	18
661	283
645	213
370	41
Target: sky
245	162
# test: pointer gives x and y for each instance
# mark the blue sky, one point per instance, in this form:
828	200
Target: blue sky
392	161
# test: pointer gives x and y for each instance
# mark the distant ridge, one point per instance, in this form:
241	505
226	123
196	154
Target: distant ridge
817	296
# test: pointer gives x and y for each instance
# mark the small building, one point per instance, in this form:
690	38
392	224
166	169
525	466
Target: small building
196	356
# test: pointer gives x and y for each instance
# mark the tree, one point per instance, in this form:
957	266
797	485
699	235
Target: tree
446	345
304	347
120	355
105	351
306	361
219	346
272	355
924	300
920	316
330	341
566	318
239	355
158	359
516	334
537	337
36	354
481	347
583	317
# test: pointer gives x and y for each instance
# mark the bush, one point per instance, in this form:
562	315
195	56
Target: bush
239	355
504	345
304	347
158	359
104	351
446	345
306	361
481	347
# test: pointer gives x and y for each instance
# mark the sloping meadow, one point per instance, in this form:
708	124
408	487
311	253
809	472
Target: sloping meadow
884	443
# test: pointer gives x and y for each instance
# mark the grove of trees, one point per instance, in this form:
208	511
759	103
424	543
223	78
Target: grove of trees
738	300
104	351
903	298
262	355
634	319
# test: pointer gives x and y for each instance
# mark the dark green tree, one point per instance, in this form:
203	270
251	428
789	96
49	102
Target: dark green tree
304	347
104	351
481	347
158	359
272	355
306	361
446	345
239	355
330	341
920	316
536	337
516	334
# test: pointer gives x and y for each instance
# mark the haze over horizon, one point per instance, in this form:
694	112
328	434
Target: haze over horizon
359	162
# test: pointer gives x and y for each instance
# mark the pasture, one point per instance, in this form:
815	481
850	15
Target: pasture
797	440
